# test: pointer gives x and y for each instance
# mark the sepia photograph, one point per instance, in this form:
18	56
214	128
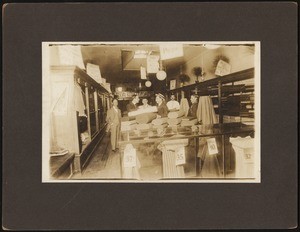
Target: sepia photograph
151	111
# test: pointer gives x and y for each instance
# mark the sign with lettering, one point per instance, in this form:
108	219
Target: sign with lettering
212	146
94	71
223	68
152	64
169	51
143	73
180	156
129	159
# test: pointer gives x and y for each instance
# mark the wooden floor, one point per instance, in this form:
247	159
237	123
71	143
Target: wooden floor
104	164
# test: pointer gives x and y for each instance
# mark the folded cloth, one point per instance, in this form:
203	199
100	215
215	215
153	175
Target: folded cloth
176	114
160	126
143	126
189	123
159	121
150	109
174	121
128	127
128	123
189	118
126	118
145	118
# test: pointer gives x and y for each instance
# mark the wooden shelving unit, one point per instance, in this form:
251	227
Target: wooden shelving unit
68	127
227	96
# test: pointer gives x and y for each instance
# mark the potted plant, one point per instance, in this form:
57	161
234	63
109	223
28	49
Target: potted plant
198	73
183	78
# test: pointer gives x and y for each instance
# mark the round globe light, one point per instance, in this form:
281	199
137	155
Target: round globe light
148	83
161	75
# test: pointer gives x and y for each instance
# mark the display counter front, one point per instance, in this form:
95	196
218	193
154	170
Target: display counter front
189	152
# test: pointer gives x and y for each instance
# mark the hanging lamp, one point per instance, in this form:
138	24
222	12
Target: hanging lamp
148	84
161	74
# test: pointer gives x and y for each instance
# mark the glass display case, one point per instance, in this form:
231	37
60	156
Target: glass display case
190	152
78	118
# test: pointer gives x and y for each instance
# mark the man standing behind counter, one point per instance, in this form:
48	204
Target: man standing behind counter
162	109
194	106
132	106
173	105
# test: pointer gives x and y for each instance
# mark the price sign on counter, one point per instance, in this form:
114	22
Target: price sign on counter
180	156
129	156
212	146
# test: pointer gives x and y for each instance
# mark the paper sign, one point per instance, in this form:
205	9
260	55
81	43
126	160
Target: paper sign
169	51
172	84
94	71
129	156
180	156
223	68
152	64
212	146
60	95
71	55
143	73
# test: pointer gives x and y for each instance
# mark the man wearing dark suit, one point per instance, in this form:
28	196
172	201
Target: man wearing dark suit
132	106
194	106
114	121
162	109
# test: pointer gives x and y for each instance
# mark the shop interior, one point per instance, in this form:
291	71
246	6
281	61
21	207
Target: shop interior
151	111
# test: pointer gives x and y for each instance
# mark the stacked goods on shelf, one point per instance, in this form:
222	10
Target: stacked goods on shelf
160	123
176	114
174	121
145	118
174	118
150	109
160	126
128	125
247	106
144	126
143	121
189	121
228	119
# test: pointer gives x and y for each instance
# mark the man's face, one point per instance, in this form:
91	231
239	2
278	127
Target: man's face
172	97
137	99
158	100
145	101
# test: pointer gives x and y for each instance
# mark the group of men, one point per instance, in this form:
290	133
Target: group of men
114	113
162	107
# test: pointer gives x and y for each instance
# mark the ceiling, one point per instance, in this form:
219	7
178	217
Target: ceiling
111	60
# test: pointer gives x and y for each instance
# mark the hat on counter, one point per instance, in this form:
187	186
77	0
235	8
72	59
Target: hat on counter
160	95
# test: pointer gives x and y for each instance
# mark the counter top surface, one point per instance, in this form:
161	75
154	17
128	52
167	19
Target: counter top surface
180	132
